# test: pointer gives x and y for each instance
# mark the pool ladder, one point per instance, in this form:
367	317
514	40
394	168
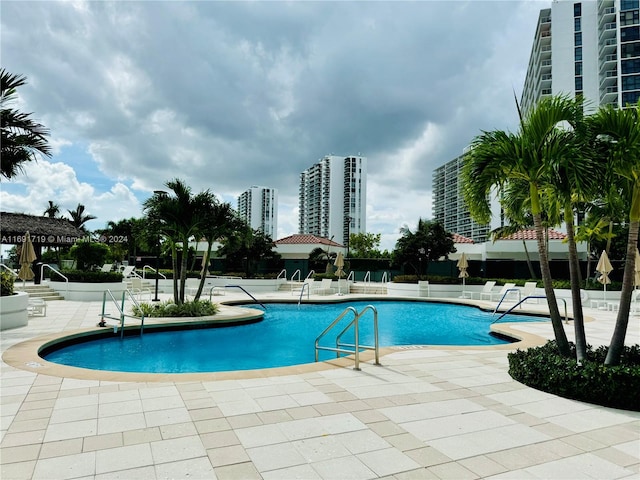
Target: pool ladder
343	347
120	308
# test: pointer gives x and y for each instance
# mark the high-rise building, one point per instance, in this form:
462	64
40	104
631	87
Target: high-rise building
333	198
589	49
258	206
449	207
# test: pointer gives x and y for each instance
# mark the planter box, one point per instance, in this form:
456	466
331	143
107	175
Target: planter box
13	310
87	292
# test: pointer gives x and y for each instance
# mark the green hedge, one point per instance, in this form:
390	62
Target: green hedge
200	308
544	369
89	276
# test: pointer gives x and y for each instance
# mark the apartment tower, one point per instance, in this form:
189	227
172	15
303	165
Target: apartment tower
258	206
333	198
589	49
449	207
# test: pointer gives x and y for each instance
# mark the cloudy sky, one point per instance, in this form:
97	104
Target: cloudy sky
225	95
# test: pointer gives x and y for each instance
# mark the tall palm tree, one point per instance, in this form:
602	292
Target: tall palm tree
620	130
22	138
220	221
79	218
498	157
178	218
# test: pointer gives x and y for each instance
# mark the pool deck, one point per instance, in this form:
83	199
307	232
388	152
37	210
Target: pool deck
426	413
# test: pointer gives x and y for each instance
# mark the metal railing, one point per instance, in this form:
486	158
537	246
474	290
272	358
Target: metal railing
144	271
566	315
56	272
10	270
245	291
120	309
308	288
505	294
282	274
340	347
297	274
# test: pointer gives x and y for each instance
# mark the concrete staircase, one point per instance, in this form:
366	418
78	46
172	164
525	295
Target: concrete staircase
39	291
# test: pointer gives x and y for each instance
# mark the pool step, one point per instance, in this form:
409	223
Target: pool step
39	291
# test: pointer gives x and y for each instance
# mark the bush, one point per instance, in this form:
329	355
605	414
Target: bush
543	368
199	308
6	283
89	254
89	277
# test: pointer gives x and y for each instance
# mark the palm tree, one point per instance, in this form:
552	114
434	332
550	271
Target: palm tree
178	218
592	230
620	130
53	210
22	138
220	221
498	157
78	217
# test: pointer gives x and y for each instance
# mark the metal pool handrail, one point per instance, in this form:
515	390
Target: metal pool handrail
242	288
566	315
53	270
120	309
356	351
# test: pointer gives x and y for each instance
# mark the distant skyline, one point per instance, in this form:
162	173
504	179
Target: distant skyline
226	95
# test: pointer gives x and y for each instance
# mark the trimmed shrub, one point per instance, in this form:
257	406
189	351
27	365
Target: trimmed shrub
6	283
200	308
544	369
89	276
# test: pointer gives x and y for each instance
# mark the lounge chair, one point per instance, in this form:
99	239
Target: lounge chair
508	290
106	267
423	288
529	290
130	271
325	287
37	306
139	289
486	290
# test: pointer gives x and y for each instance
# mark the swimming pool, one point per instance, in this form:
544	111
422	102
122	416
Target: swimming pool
285	337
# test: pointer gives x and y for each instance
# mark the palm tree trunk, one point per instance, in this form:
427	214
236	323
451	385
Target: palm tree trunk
532	273
622	321
588	263
554	312
183	267
174	266
574	275
205	261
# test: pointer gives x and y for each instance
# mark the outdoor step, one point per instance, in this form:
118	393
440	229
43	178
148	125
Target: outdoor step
39	291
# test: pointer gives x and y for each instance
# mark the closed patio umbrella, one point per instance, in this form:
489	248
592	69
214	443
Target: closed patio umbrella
27	257
604	268
339	263
463	264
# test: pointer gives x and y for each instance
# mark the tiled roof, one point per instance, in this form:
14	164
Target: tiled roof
460	239
299	239
531	235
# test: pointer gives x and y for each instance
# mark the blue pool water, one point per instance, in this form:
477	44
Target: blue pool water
286	336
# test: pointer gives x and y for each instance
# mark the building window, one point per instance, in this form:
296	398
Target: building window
578	84
631	66
629	34
577	9
631	17
628	4
631	50
577	39
578	54
630	97
577	24
578	68
631	82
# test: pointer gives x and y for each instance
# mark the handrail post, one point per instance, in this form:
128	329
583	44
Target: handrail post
357	335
